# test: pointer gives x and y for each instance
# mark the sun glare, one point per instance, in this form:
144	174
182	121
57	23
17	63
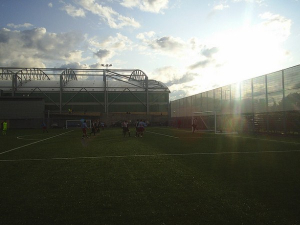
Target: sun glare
247	53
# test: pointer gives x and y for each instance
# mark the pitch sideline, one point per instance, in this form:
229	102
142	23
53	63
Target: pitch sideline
154	155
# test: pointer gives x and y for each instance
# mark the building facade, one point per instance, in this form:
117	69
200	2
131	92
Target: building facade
89	92
97	90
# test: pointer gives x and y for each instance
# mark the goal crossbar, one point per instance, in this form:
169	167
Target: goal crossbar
77	123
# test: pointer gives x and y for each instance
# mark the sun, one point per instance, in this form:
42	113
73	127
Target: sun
248	52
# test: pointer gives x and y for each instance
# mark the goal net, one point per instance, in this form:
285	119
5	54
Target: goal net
77	123
204	121
209	121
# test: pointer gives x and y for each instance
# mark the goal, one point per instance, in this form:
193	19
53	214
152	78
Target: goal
209	121
77	123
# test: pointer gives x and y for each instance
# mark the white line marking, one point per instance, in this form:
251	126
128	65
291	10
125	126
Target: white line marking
1	153
161	134
156	155
30	139
261	139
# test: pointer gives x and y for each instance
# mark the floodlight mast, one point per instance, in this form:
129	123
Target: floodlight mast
106	65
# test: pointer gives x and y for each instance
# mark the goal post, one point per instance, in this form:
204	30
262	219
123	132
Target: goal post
210	121
205	121
77	123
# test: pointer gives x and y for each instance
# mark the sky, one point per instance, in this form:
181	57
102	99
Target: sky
190	45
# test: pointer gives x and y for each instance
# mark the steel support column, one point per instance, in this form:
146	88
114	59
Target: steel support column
105	92
60	92
147	96
267	102
283	104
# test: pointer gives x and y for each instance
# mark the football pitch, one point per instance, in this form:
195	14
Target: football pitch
169	176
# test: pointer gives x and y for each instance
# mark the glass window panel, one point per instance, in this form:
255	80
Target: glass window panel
226	92
217	102
181	102
235	106
218	93
226	106
275	101
274	82
188	105
259	103
246	105
292	78
292	99
175	104
259	86
246	89
235	91
188	101
198	101
204	102
193	100
210	100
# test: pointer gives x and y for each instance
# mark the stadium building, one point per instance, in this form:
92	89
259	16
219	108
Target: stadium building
29	95
268	104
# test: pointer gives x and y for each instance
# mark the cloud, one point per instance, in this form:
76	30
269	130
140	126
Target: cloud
220	7
50	5
107	48
168	44
238	50
170	76
181	90
217	8
191	53
166	74
108	15
143	36
73	11
114	43
276	25
209	52
103	54
186	78
181	83
25	25
200	64
75	65
37	47
154	6
259	2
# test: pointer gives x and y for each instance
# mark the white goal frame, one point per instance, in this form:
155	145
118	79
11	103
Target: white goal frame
211	113
79	122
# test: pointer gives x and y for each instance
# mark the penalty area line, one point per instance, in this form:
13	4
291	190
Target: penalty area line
1	153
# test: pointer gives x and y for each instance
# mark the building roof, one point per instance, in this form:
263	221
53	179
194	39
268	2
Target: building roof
25	80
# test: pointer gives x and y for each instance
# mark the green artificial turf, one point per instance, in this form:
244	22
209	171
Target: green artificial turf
169	176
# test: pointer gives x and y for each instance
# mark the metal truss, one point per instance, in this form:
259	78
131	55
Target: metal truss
127	80
68	75
133	77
